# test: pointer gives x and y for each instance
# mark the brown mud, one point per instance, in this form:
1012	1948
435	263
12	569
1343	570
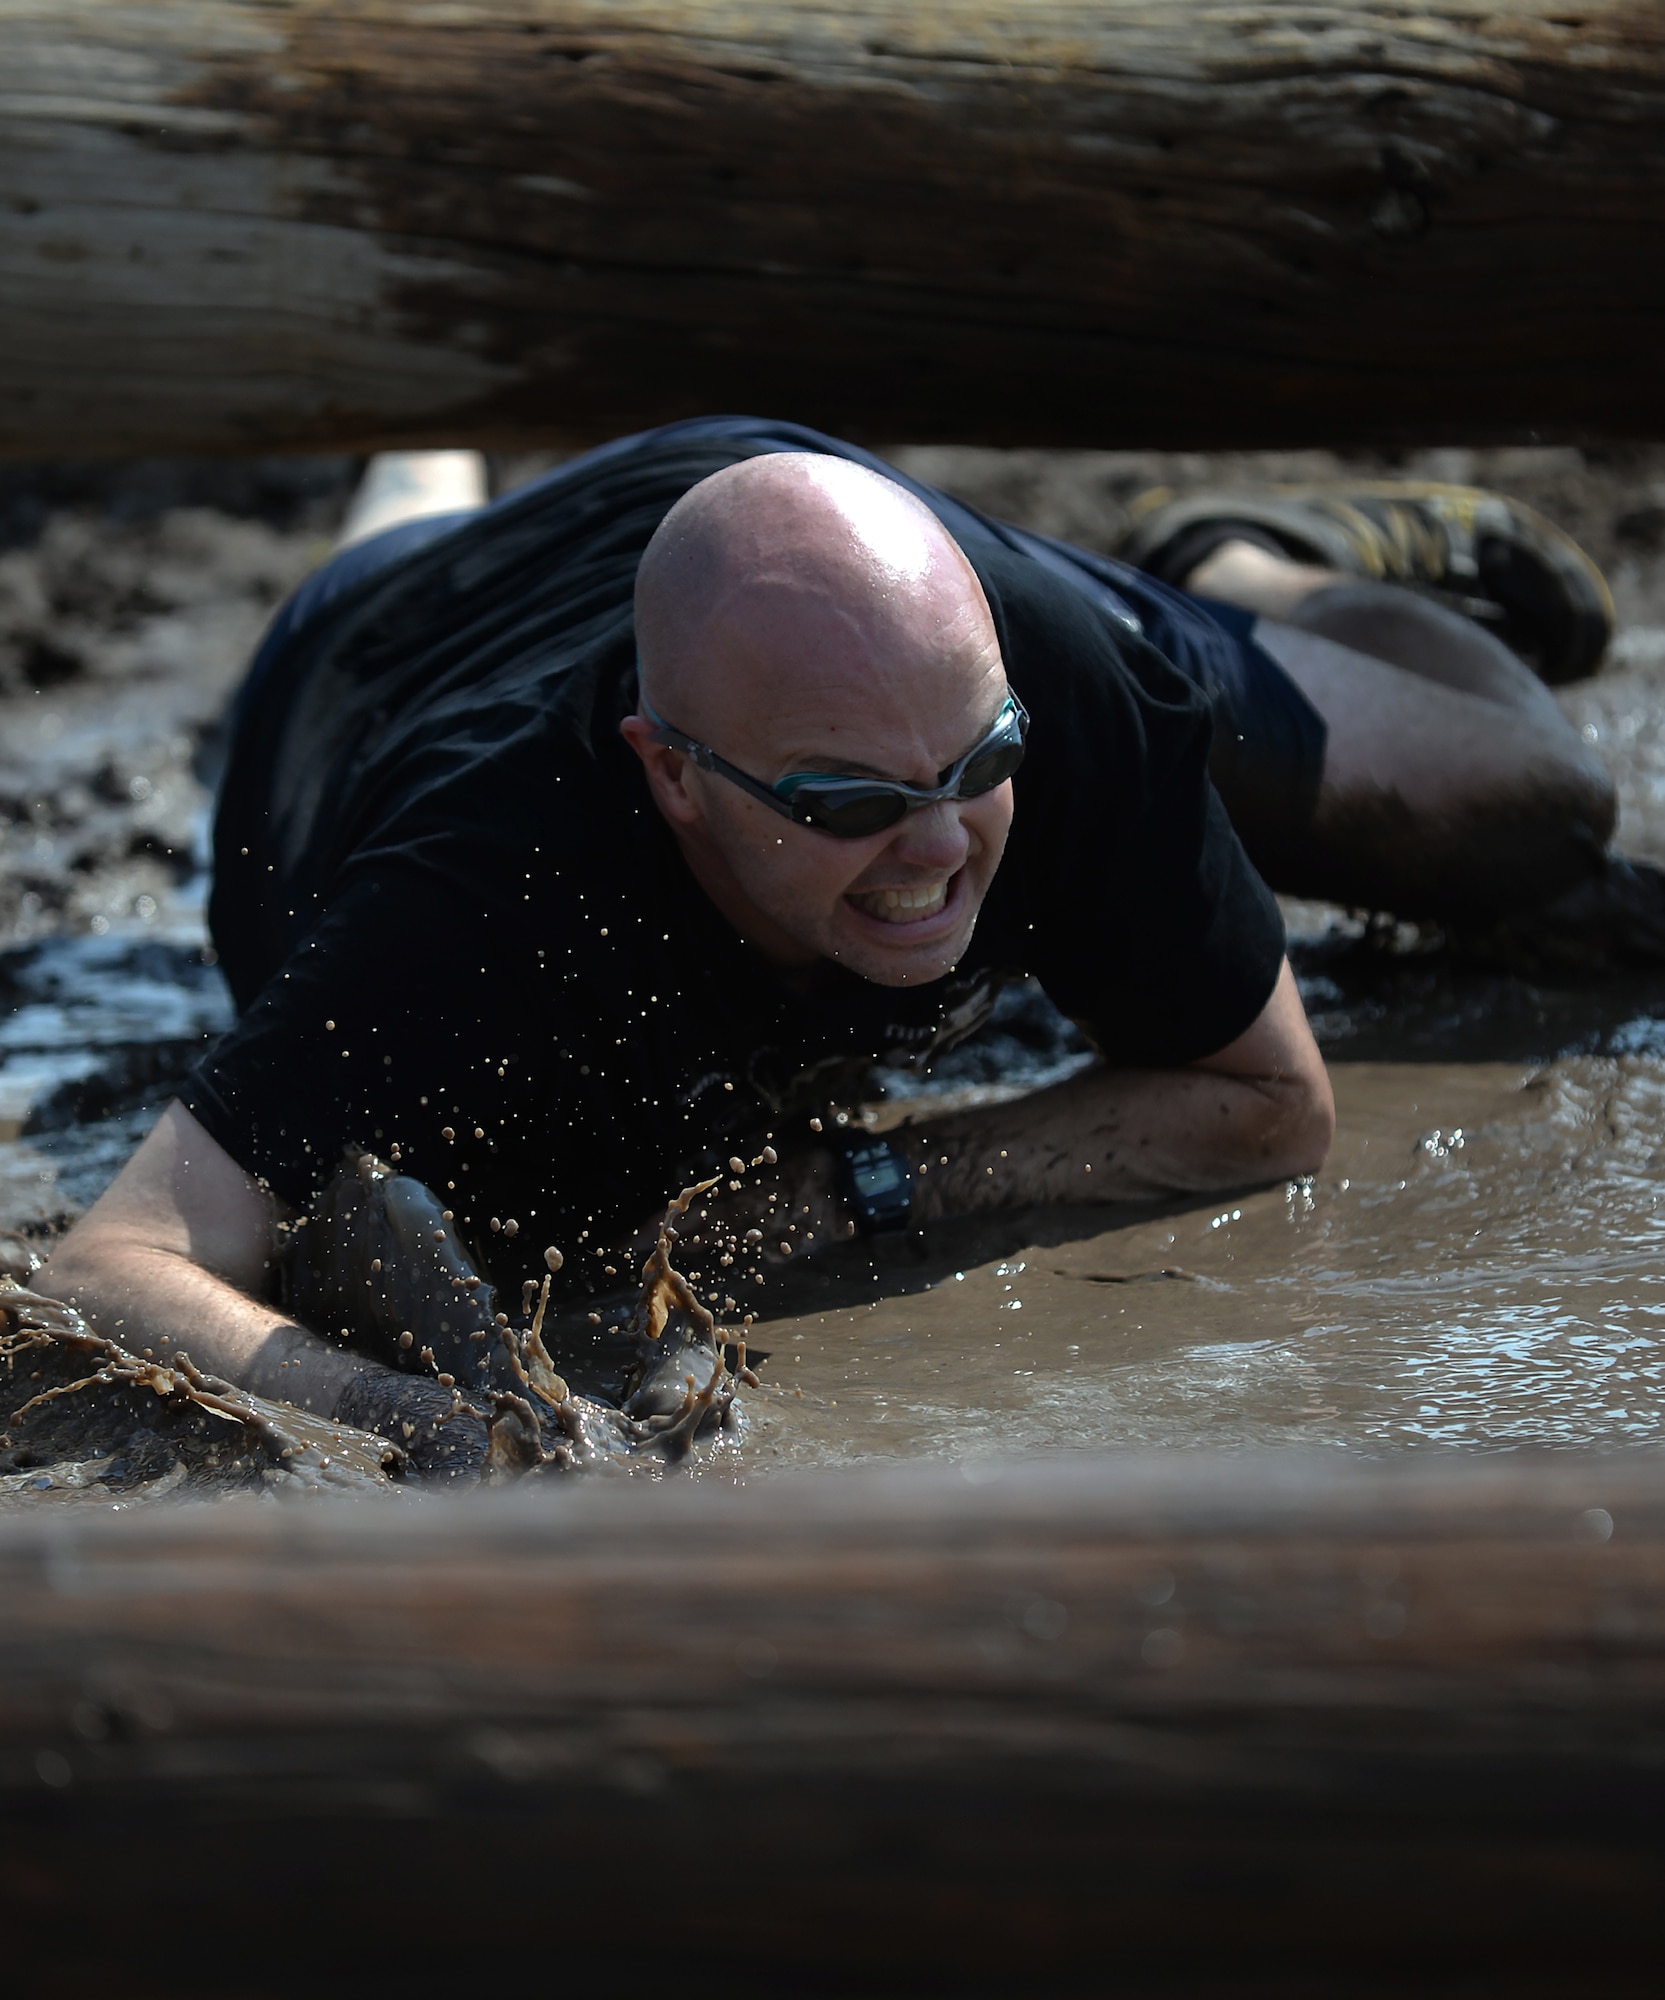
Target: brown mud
85	1418
1479	1264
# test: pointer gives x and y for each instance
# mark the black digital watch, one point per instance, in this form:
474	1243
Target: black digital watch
875	1180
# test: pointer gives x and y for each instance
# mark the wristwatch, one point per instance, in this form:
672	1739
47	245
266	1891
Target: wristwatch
875	1180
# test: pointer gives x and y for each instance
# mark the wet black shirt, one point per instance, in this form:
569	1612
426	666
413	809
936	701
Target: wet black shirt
453	920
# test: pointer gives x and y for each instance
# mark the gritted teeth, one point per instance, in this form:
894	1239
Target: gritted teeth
903	903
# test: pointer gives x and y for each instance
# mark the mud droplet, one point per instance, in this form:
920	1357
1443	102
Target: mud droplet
737	1165
406	1338
553	1258
52	1767
511	1227
446	1132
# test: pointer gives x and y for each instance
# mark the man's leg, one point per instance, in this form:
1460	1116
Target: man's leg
1452	785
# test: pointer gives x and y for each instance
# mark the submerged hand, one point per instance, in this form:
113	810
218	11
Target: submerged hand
441	1438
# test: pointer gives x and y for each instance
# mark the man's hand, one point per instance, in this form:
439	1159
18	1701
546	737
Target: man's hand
439	1439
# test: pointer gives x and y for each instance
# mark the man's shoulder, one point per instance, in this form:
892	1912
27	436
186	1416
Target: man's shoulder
1086	632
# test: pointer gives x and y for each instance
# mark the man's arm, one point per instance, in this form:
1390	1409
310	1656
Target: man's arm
1260	1109
174	1255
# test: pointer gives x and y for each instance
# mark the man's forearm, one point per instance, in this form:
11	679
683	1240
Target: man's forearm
157	1300
1114	1135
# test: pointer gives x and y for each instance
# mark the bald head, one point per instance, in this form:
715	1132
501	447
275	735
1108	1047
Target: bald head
797	613
793	572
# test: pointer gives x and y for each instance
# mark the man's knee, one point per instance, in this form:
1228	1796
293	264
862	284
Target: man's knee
1533	839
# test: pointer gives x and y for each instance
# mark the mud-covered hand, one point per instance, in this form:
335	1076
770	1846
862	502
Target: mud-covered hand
441	1438
380	1260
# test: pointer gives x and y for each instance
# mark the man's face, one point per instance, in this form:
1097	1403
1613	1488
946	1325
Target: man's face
897	907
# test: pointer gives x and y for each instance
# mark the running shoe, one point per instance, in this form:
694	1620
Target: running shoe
1496	560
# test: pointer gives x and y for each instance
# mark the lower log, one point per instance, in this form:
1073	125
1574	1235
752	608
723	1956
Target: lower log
1218	1725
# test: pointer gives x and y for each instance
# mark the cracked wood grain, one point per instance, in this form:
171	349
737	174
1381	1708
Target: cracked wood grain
230	225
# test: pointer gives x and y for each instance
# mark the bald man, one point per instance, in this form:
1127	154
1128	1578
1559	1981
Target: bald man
569	847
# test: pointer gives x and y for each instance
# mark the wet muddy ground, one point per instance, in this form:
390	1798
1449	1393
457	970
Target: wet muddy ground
1478	1264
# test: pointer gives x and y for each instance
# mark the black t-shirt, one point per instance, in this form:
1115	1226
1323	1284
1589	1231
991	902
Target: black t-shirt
446	903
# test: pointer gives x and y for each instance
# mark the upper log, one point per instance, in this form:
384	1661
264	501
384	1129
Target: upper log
258	224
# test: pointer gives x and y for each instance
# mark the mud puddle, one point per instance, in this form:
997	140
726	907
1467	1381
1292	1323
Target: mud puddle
1482	1264
1479	1264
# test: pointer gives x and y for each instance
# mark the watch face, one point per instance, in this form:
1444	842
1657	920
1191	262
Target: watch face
875	1181
882	1177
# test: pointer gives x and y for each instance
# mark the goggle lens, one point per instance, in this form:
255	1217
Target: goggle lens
851	815
993	768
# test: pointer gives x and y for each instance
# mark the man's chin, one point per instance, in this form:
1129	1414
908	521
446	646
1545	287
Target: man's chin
901	961
887	971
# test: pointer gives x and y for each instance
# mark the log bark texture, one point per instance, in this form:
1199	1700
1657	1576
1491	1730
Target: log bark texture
251	224
1236	1726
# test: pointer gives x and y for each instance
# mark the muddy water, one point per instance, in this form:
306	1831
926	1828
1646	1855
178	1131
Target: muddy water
1478	1265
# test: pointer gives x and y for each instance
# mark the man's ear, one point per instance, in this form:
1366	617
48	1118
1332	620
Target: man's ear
667	771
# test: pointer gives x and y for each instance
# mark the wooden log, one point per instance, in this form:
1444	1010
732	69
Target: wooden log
251	224
1251	1724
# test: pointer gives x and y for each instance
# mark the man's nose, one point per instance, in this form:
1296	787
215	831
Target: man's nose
934	838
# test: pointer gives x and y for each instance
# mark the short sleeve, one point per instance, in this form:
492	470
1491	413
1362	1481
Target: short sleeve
1125	889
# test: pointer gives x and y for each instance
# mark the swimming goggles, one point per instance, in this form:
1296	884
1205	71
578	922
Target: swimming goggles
853	808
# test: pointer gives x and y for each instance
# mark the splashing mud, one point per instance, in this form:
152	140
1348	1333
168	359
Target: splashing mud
381	1263
85	1413
465	1391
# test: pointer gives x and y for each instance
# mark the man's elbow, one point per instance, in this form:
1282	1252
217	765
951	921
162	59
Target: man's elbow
88	1266
1296	1127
